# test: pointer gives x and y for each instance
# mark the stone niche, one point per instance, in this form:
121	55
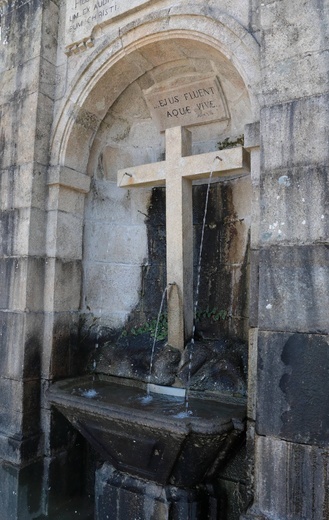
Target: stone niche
125	238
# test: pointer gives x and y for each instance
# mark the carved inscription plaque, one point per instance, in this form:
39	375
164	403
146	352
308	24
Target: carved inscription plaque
83	15
193	103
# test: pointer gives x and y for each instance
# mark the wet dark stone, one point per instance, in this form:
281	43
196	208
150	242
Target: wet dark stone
282	269
225	507
219	365
68	356
129	498
130	357
254	288
222	264
156	440
157	208
293	376
20	490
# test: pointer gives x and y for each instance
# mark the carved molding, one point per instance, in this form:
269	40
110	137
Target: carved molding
79	46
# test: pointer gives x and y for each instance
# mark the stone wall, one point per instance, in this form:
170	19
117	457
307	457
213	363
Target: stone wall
291	438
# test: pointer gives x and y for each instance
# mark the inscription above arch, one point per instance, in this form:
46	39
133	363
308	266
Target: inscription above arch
82	16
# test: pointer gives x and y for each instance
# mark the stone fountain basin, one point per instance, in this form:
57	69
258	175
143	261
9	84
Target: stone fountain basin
155	440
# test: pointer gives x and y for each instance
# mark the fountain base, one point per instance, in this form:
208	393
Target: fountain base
124	497
158	460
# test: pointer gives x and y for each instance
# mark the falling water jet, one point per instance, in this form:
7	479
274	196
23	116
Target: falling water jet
148	397
196	300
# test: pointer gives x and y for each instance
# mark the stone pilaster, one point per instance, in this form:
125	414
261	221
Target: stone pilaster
27	83
291	428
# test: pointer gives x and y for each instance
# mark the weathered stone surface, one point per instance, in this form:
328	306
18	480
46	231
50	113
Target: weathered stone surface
252	136
67	284
69	461
26	187
20	142
292	387
195	102
218	366
20	346
124	236
119	206
221	493
81	18
130	357
252	373
301	491
19	449
294	206
21	32
65	240
65	358
128	497
22	232
20	490
33	75
116	286
254	288
302	140
15	129
59	430
293	288
23	394
17	427
294	49
22	283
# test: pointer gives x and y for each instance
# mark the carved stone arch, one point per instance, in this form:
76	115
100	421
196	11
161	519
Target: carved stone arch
117	62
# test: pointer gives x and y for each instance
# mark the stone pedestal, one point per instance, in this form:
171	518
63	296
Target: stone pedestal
120	496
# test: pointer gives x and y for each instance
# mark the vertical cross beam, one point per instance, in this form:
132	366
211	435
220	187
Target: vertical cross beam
179	234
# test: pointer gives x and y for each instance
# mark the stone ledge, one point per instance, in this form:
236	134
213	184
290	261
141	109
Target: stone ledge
64	176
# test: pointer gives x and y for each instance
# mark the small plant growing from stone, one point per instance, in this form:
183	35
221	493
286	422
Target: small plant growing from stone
227	143
214	314
150	327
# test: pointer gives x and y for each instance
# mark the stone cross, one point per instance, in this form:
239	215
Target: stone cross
177	173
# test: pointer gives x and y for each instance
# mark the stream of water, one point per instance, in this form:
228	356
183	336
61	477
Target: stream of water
148	397
197	289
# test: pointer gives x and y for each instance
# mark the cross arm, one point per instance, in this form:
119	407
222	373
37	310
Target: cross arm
223	163
153	174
